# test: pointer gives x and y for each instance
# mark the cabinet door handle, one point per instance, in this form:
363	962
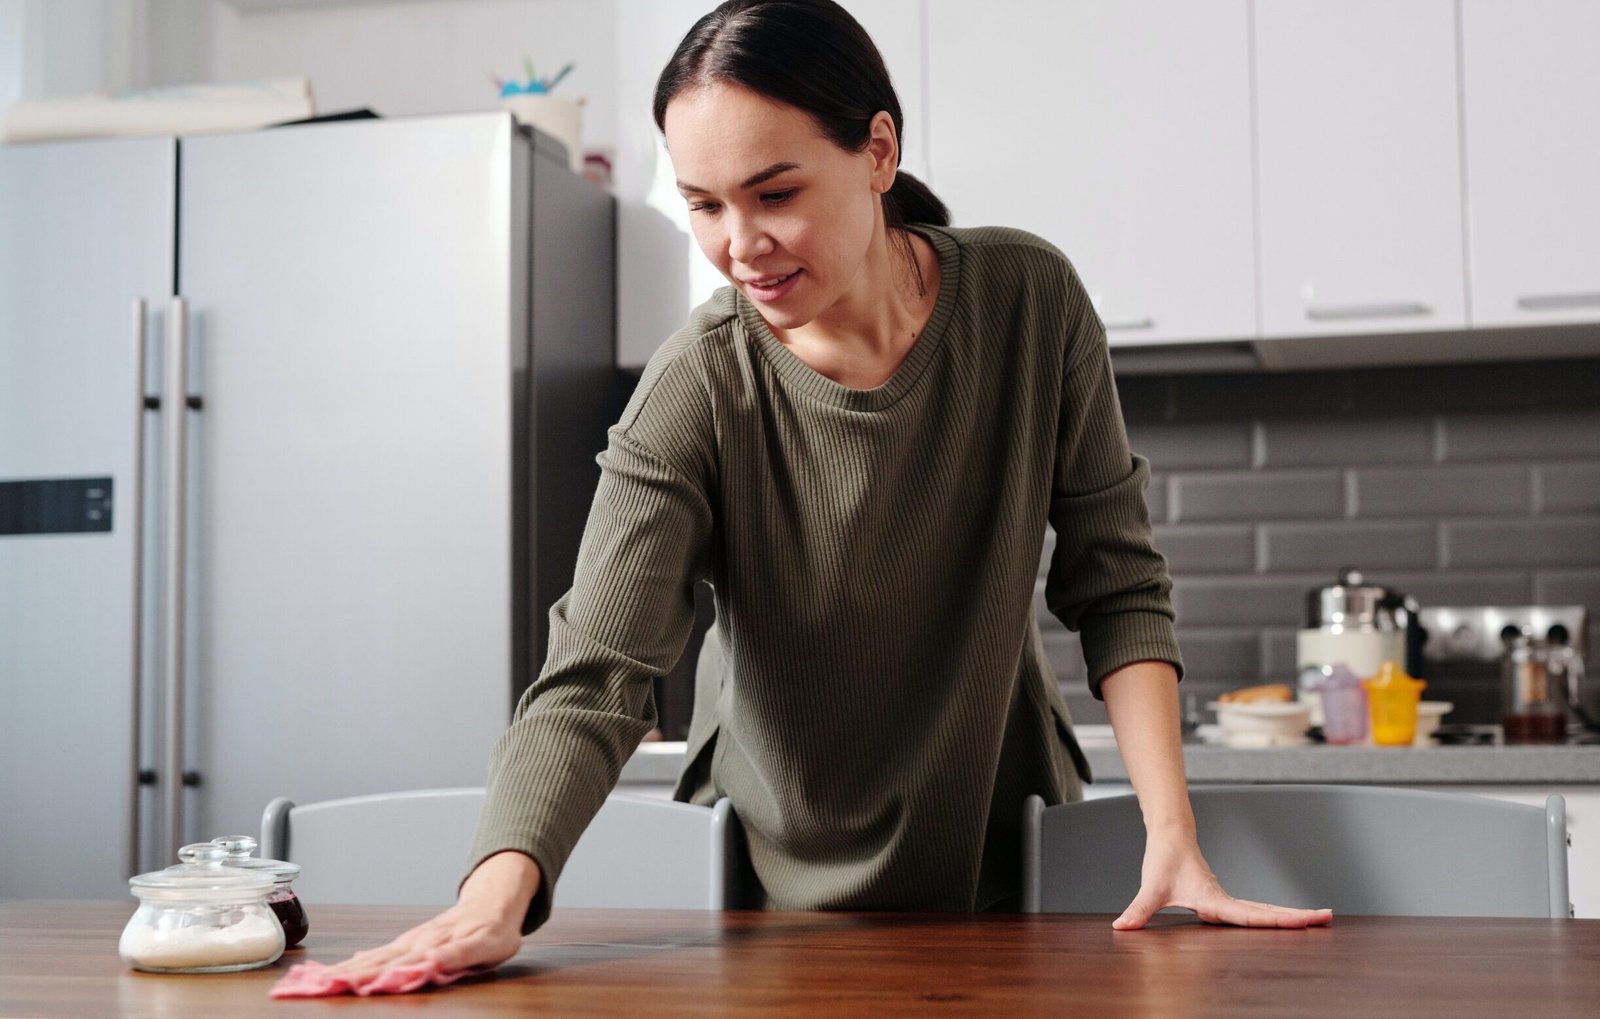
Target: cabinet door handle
136	529
172	469
1400	309
1557	302
1132	323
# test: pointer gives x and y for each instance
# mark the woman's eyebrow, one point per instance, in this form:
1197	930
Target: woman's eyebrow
749	182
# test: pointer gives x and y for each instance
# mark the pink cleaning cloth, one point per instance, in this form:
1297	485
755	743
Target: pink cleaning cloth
314	980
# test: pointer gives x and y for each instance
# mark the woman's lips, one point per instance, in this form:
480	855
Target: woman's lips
772	288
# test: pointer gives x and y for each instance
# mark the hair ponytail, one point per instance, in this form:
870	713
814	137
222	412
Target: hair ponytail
911	201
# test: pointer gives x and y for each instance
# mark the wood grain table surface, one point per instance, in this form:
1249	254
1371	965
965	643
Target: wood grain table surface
59	959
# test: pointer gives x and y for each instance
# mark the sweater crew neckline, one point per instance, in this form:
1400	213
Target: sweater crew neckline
816	385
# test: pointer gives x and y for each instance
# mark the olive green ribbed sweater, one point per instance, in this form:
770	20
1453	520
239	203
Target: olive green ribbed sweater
874	698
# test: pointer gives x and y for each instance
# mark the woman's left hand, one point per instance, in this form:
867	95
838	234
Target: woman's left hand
1175	874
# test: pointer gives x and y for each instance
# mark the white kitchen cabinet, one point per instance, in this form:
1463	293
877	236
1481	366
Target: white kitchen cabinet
1358	167
1531	96
1120	132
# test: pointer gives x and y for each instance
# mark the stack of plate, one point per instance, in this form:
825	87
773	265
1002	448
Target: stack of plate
1262	723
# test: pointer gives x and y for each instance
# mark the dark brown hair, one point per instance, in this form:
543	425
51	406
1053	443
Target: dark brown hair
812	55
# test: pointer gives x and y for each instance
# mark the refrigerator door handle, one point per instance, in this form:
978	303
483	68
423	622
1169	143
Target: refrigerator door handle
175	448
136	530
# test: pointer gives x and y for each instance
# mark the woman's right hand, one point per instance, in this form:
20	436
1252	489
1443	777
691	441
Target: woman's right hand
482	930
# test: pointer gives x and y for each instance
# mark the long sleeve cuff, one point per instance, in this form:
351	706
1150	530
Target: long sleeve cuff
487	845
1110	642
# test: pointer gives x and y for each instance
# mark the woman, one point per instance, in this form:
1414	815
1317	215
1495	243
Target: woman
859	442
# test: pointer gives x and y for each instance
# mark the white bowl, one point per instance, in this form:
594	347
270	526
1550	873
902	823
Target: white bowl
1268	718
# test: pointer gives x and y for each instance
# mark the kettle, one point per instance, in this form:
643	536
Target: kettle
1359	624
1366	624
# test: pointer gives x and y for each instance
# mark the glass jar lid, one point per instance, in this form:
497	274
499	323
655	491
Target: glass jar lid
202	877
239	848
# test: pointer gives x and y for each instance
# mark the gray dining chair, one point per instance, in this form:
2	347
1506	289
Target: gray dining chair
409	848
1360	850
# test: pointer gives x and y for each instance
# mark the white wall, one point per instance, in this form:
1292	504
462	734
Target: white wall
11	33
180	43
76	46
427	57
69	47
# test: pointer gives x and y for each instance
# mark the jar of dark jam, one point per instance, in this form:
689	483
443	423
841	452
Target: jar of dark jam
285	904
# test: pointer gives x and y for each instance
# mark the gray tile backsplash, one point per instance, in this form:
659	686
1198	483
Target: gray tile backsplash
1466	587
1221	653
1176	447
1544	542
1335	441
1202	600
1278	652
1460	484
1567	488
1155	497
1226	549
1328	545
1254	495
1502	489
1570	587
1520	437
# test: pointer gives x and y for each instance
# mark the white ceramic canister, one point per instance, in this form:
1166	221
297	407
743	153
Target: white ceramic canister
1363	650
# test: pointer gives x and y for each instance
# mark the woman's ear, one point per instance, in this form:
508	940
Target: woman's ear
883	145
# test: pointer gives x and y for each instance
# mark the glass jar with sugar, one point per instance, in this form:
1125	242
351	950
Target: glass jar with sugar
201	917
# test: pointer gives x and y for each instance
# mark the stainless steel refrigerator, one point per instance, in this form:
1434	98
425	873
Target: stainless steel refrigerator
297	437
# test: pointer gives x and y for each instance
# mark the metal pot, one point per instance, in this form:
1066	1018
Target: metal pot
1539	683
1552	666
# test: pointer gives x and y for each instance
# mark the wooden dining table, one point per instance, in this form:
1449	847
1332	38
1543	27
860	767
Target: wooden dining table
59	959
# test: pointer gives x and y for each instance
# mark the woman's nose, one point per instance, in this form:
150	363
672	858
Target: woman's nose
748	239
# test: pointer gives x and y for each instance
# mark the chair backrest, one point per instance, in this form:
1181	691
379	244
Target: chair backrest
1355	849
409	848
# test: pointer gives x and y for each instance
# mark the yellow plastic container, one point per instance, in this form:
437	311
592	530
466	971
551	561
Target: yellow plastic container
1392	698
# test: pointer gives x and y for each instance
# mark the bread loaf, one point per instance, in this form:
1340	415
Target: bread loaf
1271	692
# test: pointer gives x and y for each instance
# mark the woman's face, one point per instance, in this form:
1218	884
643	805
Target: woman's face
785	214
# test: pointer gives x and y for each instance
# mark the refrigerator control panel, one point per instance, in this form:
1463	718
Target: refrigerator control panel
55	506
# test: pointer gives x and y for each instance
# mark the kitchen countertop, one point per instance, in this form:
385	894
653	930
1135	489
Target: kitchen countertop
1451	765
659	763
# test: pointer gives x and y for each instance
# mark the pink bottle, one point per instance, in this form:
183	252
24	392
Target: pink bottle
1344	707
